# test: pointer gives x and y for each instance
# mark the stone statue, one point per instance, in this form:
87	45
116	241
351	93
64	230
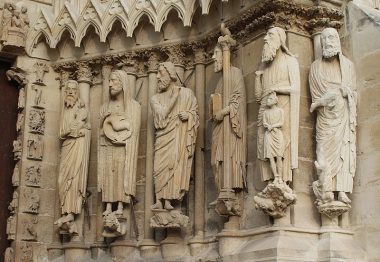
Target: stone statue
120	127
274	143
24	17
9	255
7	19
333	90
175	113
73	168
278	79
40	69
237	116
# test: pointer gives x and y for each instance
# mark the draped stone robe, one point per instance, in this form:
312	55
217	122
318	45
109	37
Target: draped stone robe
237	136
281	73
174	143
336	122
117	170
75	152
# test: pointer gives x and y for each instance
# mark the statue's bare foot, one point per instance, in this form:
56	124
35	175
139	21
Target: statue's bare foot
69	217
343	198
158	205
108	210
168	206
119	210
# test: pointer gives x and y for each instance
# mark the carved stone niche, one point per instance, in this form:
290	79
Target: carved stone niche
26	252
35	147
168	219
20	121
15	23
40	69
9	255
31	201
16	176
29	231
38	101
17	149
37	121
115	225
11	227
33	176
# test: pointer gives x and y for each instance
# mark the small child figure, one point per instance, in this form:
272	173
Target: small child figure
274	144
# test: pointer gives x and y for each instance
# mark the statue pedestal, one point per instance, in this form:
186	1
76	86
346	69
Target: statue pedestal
204	249
173	246
55	250
150	250
168	219
125	250
275	199
337	244
76	251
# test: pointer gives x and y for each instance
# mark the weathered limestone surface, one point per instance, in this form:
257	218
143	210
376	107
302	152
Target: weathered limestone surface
87	41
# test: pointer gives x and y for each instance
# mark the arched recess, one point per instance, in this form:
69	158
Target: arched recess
109	26
66	29
40	48
138	18
163	16
145	33
91	41
83	29
67	47
173	27
118	39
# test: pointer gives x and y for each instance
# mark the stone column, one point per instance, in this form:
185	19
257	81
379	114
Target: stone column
200	86
84	77
149	247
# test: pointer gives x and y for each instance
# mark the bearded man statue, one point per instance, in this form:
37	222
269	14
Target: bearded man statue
75	150
333	90
176	120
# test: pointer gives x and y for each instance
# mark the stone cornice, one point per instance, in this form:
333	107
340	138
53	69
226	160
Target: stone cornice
291	16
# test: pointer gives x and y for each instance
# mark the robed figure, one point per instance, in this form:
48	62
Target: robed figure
333	90
176	120
120	120
75	150
279	73
237	114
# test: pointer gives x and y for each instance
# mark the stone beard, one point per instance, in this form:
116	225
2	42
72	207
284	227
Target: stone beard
237	113
333	90
75	150
118	152
175	114
279	73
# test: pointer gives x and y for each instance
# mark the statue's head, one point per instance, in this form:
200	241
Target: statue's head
330	42
218	58
24	9
71	93
272	99
273	40
165	76
116	83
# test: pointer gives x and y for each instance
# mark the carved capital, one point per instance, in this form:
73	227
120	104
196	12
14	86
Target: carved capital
106	71
176	55
226	42
141	68
316	26
199	55
153	61
84	73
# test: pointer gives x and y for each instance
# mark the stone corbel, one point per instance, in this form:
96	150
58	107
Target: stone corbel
17	75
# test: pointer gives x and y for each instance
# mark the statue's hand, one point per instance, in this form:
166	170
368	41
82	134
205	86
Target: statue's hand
218	116
343	91
312	107
183	116
259	73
